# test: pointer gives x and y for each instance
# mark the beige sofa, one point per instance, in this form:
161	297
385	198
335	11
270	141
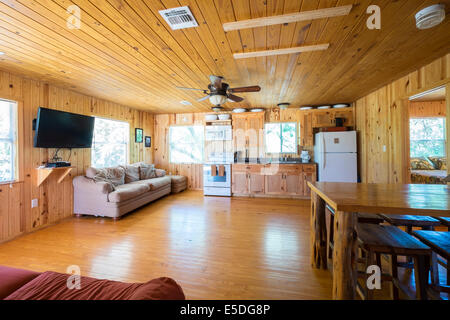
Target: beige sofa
100	198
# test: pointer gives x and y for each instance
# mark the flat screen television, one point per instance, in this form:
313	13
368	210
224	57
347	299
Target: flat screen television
58	129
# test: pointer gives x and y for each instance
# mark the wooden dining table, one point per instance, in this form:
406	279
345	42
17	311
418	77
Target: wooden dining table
348	199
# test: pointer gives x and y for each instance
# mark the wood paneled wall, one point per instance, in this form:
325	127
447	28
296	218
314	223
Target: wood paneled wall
381	120
55	200
425	109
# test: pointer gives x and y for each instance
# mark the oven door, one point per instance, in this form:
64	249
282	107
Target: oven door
217	181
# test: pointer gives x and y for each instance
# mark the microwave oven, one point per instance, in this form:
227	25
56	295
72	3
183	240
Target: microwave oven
218	133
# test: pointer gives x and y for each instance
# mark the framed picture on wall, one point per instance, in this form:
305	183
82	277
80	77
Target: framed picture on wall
148	142
139	134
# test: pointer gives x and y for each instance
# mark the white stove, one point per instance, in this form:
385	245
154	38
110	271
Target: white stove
217	175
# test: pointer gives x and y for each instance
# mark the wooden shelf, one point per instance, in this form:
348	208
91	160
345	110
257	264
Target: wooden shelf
214	122
42	174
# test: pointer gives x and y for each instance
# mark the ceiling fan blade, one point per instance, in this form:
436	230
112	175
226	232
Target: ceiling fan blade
245	89
184	88
216	81
204	98
234	98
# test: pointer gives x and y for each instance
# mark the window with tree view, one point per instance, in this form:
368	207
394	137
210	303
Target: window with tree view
8	139
281	137
427	137
110	145
186	144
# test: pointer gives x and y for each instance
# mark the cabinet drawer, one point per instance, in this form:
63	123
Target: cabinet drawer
309	169
240	167
291	168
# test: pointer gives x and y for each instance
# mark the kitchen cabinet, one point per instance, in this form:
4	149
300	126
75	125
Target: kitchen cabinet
309	175
286	180
247	179
248	133
326	119
306	130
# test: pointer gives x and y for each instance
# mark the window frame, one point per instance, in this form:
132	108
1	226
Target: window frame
128	141
281	138
422	140
203	143
14	139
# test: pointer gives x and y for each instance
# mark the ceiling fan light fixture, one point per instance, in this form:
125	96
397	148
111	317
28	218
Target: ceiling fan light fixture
284	105
217	109
217	99
430	16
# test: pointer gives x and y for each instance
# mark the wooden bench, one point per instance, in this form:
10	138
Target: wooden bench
439	242
375	240
410	221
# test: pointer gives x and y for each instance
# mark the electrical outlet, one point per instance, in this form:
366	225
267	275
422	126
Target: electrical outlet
384	148
34	203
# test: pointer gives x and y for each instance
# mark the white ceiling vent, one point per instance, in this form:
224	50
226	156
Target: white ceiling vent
179	18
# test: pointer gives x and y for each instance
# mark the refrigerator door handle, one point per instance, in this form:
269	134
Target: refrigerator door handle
323	152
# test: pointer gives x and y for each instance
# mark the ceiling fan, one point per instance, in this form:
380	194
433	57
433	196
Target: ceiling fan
220	92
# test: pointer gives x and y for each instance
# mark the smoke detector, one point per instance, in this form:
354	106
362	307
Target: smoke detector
430	16
179	18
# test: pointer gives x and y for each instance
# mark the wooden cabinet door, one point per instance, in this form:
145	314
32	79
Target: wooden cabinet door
239	184
306	132
308	177
275	183
239	134
256	183
293	183
255	126
323	119
347	115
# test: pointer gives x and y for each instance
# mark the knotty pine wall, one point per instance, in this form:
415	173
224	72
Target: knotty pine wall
55	200
381	120
425	109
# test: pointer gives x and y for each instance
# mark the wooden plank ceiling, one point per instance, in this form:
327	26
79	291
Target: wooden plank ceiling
125	51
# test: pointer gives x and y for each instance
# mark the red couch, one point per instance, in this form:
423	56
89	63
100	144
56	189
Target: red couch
18	284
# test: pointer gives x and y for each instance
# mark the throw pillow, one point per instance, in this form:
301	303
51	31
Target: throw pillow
147	171
421	164
132	173
160	173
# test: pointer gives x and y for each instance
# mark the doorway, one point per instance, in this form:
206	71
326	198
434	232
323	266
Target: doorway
428	137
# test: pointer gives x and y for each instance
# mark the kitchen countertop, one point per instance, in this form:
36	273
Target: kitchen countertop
274	162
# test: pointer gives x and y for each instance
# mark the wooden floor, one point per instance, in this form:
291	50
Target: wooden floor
216	248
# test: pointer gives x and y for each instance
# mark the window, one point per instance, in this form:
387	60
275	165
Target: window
427	137
8	138
186	144
281	137
110	145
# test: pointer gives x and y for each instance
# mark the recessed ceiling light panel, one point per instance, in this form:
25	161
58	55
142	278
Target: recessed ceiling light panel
430	16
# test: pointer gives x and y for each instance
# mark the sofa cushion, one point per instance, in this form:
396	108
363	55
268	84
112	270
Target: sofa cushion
53	286
127	191
12	279
132	172
158	183
160	173
147	171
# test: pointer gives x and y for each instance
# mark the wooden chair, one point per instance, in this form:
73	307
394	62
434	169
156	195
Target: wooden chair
445	221
439	242
375	240
410	222
362	218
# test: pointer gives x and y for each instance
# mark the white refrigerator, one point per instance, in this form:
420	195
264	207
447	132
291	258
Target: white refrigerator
336	156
